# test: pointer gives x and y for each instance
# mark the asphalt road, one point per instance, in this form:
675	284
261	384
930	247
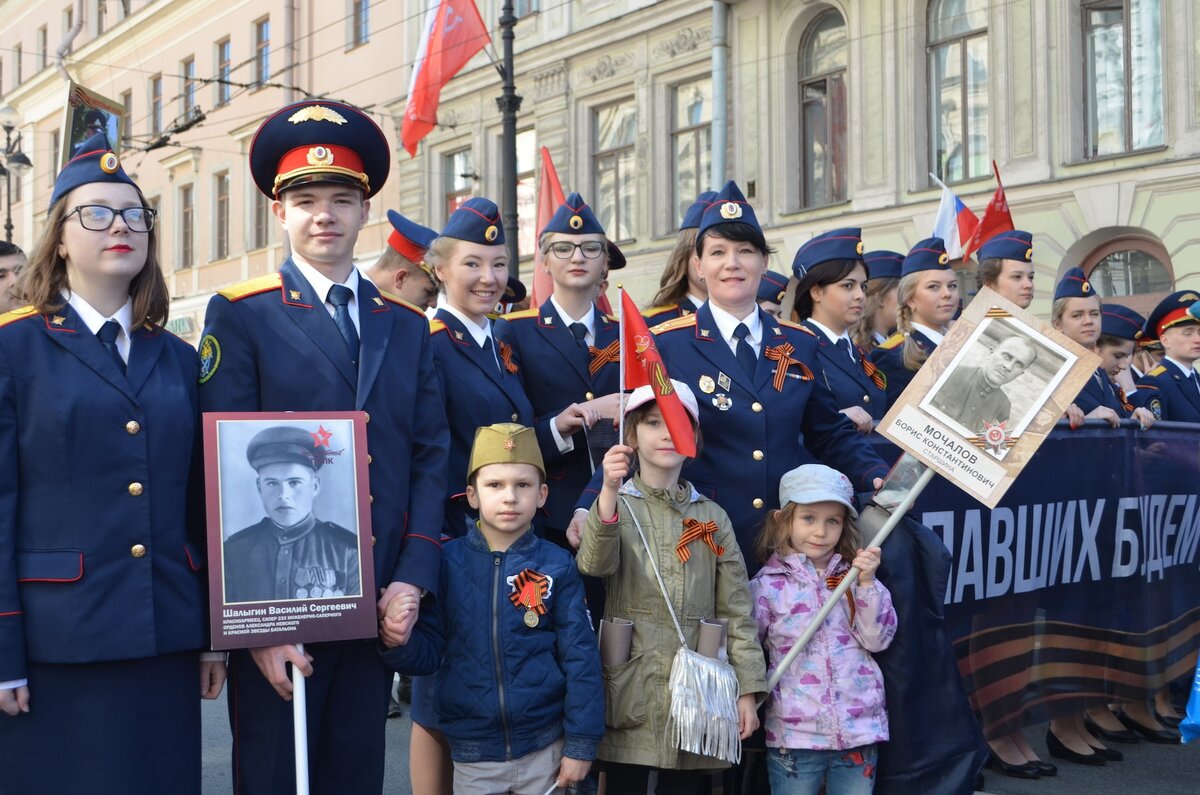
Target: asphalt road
1147	769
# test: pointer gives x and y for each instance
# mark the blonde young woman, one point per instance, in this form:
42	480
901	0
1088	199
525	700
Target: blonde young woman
878	321
927	299
680	290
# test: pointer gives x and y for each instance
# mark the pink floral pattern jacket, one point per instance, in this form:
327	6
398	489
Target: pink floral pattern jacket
831	698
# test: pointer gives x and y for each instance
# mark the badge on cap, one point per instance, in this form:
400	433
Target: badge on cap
320	156
730	210
860	248
491	232
943	259
1029	255
109	163
317	113
1086	287
576	222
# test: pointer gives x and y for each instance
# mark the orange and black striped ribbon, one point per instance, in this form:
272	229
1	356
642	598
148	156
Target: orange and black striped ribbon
833	582
529	591
1125	404
603	356
871	370
694	529
783	355
506	357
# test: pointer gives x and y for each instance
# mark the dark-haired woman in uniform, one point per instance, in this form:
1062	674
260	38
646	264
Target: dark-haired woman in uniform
102	597
829	301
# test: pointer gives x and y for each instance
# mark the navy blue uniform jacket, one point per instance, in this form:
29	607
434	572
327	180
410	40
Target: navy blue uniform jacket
889	358
848	380
1169	393
1099	391
556	372
101	525
278	349
760	433
506	689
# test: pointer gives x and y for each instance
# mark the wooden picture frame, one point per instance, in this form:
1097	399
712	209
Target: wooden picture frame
92	119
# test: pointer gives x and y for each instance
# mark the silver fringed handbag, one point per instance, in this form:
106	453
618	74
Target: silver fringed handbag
704	691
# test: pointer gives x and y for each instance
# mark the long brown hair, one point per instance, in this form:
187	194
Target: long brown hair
863	332
776	534
673	284
45	277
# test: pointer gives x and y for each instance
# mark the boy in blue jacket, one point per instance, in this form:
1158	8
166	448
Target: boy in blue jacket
519	693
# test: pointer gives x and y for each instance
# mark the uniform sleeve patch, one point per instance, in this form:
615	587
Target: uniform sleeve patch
1156	408
210	357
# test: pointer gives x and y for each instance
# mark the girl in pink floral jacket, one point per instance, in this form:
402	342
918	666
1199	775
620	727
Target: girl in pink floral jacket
827	713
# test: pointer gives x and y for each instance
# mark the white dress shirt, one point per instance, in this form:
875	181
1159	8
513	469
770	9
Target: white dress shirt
321	284
94	320
727	324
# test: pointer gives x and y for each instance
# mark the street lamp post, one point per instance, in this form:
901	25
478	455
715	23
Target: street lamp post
15	163
509	102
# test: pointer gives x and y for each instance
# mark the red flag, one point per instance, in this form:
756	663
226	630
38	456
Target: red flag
996	218
549	197
643	366
454	32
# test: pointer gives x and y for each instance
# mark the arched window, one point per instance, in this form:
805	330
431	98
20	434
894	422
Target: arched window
1123	75
958	89
823	111
1134	271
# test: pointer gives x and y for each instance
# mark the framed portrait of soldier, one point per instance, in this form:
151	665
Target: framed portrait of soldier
91	122
988	395
289	528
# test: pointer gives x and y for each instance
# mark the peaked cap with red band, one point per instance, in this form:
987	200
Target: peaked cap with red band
319	141
1171	311
408	238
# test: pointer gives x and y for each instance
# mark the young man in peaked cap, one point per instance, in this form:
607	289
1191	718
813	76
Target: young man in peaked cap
316	336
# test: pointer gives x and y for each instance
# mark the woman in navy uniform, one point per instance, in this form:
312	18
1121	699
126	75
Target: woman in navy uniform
771	291
1170	389
680	292
1006	266
829	301
878	321
567	353
102	594
927	300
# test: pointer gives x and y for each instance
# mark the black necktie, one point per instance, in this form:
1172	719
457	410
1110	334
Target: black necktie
579	331
743	351
339	296
108	338
490	352
843	345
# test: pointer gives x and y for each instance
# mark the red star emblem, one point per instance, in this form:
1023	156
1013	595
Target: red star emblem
509	444
322	437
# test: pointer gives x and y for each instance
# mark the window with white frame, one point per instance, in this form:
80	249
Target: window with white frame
527	158
360	22
187	98
1123	76
187	227
221	211
822	106
691	142
458	176
958	89
262	50
156	100
614	130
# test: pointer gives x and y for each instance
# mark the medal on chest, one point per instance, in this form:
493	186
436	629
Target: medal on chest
529	591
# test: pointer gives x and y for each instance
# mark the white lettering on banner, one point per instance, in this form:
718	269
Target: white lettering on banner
1023	548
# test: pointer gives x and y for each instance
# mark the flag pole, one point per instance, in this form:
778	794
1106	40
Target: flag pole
509	102
300	726
621	364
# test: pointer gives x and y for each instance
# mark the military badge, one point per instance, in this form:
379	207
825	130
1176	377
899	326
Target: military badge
707	385
722	401
1155	406
320	156
530	590
210	357
723	381
317	113
731	210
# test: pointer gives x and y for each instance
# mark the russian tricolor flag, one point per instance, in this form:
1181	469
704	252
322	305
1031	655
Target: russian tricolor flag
955	223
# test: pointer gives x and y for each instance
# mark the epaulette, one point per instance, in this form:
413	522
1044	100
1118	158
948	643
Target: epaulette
523	314
655	311
612	319
685	321
272	281
435	326
398	301
893	341
17	314
1159	370
797	326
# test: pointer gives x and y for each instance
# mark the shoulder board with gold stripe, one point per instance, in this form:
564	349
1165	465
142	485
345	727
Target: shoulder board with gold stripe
398	301
796	326
655	311
436	325
272	281
17	314
893	341
686	321
612	318
1159	370
522	314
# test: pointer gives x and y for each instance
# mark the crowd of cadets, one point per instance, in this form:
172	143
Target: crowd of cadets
102	587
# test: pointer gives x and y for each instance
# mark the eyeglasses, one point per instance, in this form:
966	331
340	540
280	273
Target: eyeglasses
98	218
565	250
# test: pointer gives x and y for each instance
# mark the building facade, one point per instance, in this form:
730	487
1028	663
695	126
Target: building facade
838	112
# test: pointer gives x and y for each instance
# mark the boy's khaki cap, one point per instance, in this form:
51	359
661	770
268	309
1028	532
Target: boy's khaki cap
505	443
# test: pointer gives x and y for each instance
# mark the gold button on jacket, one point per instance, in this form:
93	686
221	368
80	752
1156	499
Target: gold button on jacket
132	427
758	503
138	550
136	489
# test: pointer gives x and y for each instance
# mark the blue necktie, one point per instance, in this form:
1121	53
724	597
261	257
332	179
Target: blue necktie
108	338
339	296
743	351
579	331
843	345
490	352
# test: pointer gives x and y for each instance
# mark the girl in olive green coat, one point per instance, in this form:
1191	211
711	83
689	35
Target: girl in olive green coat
698	556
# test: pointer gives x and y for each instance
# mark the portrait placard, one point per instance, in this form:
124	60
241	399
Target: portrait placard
91	122
988	395
289	528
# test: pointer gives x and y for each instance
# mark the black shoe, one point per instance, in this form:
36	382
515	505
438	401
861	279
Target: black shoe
1119	736
1109	754
1170	721
1060	751
394	710
1024	770
404	696
1045	768
1163	736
